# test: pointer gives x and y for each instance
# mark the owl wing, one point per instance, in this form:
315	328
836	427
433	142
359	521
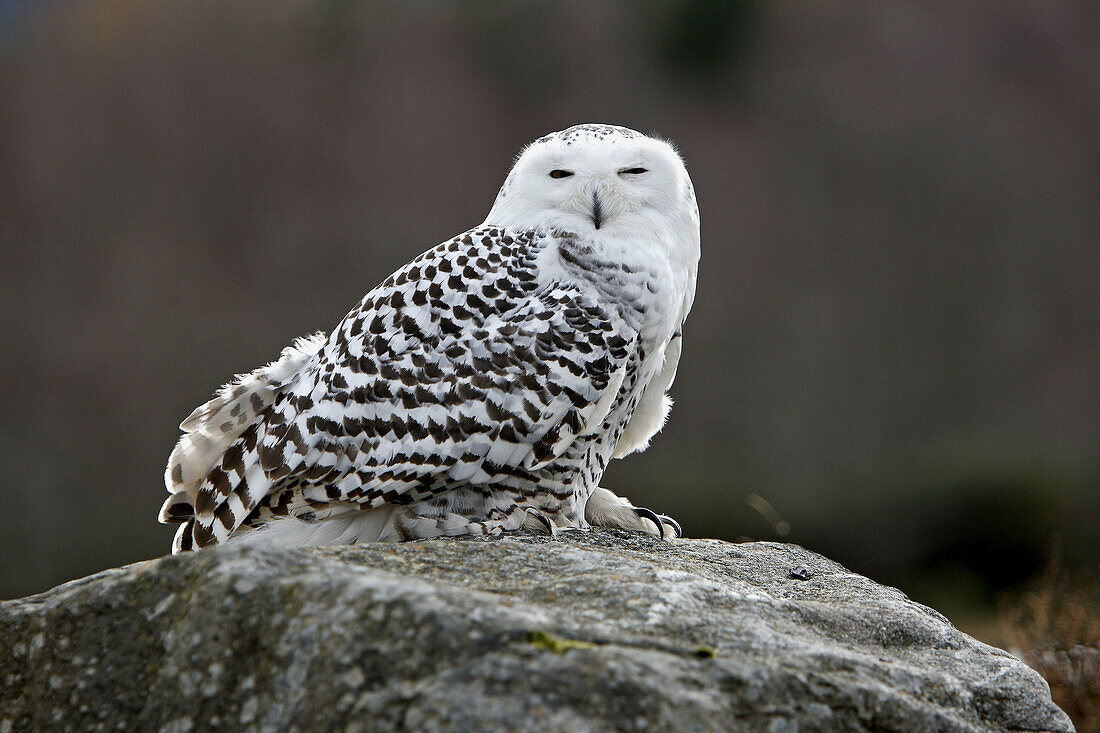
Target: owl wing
461	368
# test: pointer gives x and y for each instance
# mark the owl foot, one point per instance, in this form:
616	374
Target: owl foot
605	509
660	521
538	522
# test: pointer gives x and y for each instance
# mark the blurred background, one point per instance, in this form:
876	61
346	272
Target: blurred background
895	348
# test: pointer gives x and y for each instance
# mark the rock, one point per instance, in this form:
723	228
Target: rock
599	631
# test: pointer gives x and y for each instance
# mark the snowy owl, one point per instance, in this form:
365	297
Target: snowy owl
481	388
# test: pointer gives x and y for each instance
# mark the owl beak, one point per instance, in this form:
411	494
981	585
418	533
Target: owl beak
597	210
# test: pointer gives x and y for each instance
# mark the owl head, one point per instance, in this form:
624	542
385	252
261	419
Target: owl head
598	181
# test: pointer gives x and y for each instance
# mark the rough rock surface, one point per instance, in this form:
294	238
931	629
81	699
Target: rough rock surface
597	631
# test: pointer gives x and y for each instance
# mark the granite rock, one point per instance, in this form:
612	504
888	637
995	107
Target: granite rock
596	631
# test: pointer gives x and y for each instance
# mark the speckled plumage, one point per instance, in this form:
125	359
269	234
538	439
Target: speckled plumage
483	386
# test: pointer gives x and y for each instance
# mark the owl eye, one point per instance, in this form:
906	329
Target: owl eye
559	173
634	171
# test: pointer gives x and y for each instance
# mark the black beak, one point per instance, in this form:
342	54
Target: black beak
597	212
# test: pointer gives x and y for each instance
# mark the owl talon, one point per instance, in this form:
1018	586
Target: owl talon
644	513
672	523
543	520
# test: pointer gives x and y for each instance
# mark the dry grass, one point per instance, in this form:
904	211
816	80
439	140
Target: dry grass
1054	626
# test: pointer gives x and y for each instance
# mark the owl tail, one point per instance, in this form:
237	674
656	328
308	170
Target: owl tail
214	427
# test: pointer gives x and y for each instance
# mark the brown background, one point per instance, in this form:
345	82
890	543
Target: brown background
896	337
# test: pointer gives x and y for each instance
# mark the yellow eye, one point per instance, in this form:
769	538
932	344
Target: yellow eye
559	173
634	171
